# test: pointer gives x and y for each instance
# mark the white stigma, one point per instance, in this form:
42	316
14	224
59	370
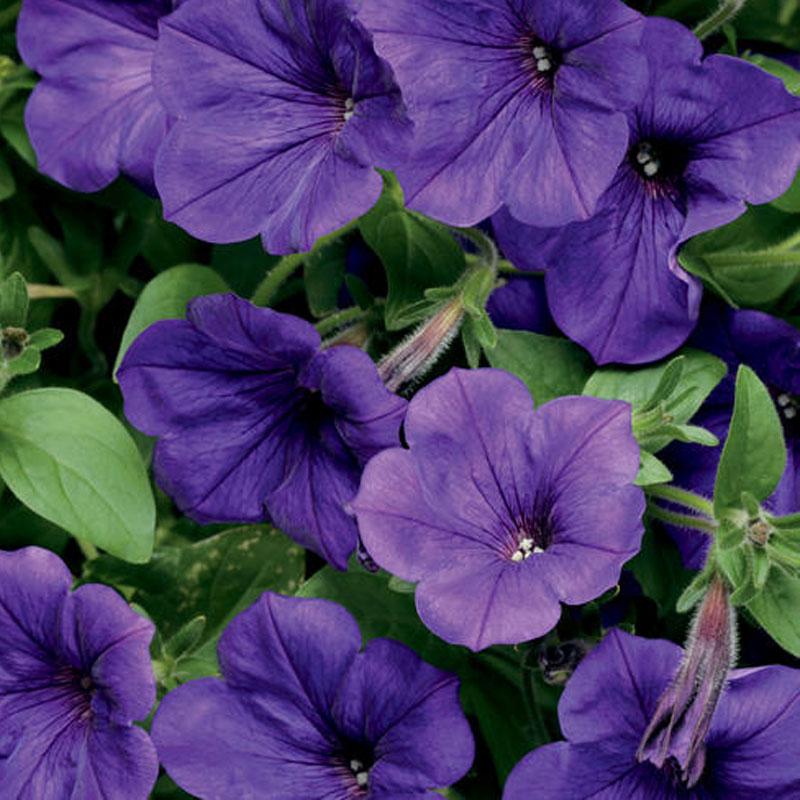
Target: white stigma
790	413
540	52
544	65
349	109
525	550
784	400
646	158
362	775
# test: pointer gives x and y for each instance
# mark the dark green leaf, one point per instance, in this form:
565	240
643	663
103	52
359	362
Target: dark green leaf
324	271
550	367
659	570
166	296
417	253
13	302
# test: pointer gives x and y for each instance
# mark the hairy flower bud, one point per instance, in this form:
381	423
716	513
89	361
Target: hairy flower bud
675	738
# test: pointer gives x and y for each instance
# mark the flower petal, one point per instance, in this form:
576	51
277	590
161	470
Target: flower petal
95	113
615	689
411	712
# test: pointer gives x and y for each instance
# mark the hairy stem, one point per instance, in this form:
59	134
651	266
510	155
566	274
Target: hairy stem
682	497
681	520
276	277
727	10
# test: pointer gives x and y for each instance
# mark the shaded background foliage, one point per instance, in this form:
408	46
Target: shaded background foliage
88	259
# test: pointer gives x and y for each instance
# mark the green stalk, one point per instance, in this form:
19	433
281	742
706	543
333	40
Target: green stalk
333	322
727	10
276	277
681	520
682	497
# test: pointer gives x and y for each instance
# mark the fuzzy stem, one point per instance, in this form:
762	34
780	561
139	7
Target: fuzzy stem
332	323
682	497
681	520
276	277
41	291
535	715
727	10
87	548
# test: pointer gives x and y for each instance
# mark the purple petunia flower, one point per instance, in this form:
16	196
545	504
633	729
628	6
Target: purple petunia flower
613	282
75	672
304	713
751	750
514	101
771	347
282	134
501	513
95	114
255	421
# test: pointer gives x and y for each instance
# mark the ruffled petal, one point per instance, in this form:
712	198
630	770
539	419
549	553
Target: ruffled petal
410	713
95	114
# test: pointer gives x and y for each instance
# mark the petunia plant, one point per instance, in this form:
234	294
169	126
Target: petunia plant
399	399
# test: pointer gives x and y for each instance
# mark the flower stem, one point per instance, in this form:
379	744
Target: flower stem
681	520
41	291
276	277
682	497
87	548
333	322
537	720
727	10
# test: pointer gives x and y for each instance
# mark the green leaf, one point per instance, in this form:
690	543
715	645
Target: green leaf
8	186
166	296
775	609
45	338
753	261
550	367
652	470
417	253
789	76
754	456
324	272
391	200
380	611
658	568
681	385
216	578
13	301
71	461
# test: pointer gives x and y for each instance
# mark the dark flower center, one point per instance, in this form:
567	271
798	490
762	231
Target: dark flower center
358	759
541	60
534	533
660	163
77	687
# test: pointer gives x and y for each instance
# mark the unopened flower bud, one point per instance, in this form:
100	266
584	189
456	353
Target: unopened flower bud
410	360
675	738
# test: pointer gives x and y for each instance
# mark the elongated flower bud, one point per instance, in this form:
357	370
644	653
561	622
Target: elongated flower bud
413	357
675	738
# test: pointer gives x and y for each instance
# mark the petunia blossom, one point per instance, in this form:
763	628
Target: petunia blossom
771	347
514	102
500	513
284	111
75	673
521	305
95	114
696	158
303	712
255	421
751	750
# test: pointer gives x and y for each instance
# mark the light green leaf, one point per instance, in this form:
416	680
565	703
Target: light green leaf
775	609
550	367
166	297
652	470
71	461
754	456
